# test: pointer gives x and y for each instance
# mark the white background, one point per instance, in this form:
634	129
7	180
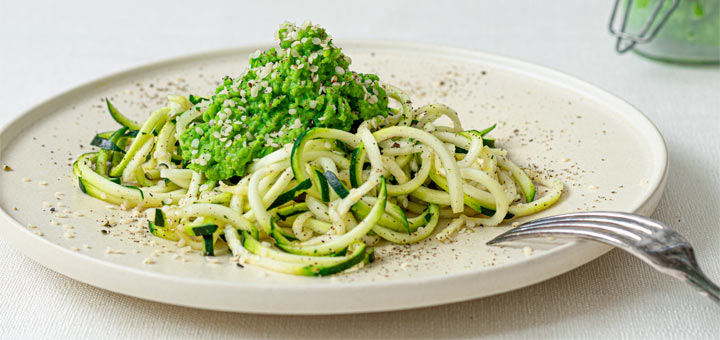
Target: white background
47	47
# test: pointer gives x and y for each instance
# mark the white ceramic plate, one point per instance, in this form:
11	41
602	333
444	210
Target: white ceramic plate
608	154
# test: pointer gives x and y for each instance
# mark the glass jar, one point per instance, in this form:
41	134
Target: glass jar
691	33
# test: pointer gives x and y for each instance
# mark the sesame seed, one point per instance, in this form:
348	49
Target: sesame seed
31	226
313	104
339	70
109	250
148	260
43	183
75	249
25	179
68	235
593	187
316	40
38	233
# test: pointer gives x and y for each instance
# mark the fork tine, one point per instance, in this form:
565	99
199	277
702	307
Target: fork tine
645	221
560	231
605	226
600	219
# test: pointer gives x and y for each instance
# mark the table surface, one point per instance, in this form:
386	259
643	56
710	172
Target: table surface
50	46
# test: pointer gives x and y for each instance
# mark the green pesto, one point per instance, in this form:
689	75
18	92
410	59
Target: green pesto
302	84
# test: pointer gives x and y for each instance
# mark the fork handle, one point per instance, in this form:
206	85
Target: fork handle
702	284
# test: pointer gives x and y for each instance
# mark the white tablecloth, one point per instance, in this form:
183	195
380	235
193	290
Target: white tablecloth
49	46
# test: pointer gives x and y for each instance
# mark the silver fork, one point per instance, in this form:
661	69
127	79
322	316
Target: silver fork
653	242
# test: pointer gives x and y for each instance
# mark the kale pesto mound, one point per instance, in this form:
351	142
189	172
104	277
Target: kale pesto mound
304	83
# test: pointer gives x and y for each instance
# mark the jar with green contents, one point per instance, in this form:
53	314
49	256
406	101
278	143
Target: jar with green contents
691	33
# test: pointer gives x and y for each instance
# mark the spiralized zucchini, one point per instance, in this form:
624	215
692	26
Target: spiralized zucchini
311	208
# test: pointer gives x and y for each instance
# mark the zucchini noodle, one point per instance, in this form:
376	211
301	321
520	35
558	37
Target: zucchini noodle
322	201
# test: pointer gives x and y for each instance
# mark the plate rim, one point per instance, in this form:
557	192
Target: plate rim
547	74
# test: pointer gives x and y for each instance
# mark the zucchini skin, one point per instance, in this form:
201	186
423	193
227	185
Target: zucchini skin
207	231
162	232
473	203
357	160
336	184
394	217
291	194
159	227
315	133
108	146
417	235
109	191
291	210
526	184
120	118
145	133
322	184
304	265
342	241
354	258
